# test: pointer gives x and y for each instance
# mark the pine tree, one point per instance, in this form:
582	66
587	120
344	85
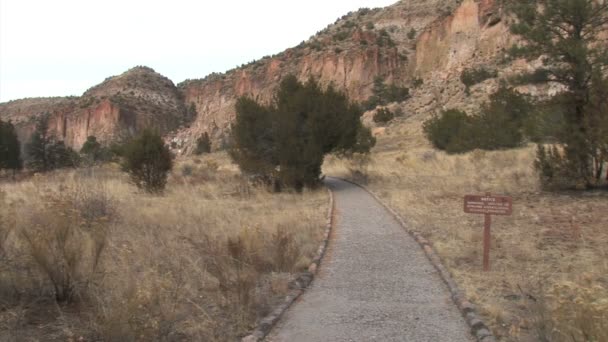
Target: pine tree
567	35
37	149
10	148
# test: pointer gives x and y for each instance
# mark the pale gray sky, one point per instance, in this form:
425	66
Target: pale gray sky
63	47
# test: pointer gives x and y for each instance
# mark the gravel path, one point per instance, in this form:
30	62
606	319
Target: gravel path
374	284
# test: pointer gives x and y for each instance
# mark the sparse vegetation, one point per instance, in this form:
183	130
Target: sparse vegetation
203	144
473	76
383	116
548	258
93	152
383	94
411	34
202	263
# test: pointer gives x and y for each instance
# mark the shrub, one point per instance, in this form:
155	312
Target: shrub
411	34
499	126
383	95
148	161
553	168
66	238
203	144
470	77
93	152
451	131
369	26
341	35
383	115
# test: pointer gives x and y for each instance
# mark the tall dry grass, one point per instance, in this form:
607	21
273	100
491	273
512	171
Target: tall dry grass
549	259
86	256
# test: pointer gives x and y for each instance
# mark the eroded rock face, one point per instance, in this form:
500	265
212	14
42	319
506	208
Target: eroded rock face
429	40
112	110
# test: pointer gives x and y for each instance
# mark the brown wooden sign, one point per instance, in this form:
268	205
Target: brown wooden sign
492	205
487	205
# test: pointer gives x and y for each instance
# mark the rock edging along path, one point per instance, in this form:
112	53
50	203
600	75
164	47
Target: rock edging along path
375	284
297	286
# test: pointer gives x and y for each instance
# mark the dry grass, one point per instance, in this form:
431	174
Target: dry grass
201	263
549	259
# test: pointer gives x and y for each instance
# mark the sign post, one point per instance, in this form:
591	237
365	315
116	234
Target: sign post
487	205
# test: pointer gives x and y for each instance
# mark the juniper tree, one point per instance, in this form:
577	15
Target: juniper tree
287	139
148	161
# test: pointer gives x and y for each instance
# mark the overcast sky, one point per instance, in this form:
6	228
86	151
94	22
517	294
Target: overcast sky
63	47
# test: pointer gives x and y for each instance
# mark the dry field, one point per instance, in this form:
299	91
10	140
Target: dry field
201	263
549	277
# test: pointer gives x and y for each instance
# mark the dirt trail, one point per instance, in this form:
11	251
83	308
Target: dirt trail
376	284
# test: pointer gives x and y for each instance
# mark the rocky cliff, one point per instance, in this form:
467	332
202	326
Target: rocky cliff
112	110
421	44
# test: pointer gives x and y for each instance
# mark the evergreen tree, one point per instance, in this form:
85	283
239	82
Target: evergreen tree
148	161
287	140
37	149
10	148
43	153
567	34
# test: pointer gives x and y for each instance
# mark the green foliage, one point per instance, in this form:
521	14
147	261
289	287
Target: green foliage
341	35
93	152
418	82
554	169
411	34
567	34
383	94
470	77
383	115
451	131
500	125
538	76
43	153
285	142
10	148
369	26
203	144
148	161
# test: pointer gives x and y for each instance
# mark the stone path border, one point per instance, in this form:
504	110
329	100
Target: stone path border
298	285
478	328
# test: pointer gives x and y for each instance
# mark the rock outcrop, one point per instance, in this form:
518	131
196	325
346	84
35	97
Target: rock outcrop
422	44
112	110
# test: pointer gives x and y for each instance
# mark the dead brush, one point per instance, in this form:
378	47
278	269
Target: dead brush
65	237
286	250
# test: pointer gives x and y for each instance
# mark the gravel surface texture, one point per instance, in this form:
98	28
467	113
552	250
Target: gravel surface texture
374	284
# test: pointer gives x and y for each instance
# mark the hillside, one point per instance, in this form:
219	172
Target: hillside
420	44
118	107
